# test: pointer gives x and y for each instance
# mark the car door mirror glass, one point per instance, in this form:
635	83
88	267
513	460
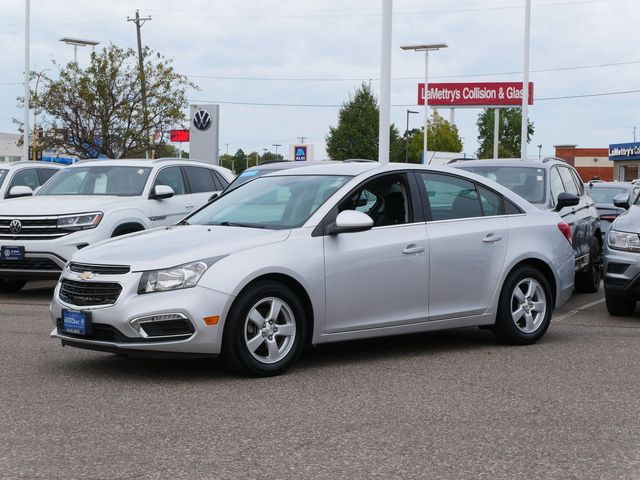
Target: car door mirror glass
566	200
162	191
622	200
351	221
20	191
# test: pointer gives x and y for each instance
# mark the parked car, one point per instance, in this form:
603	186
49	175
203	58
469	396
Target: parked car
91	201
268	167
622	258
603	194
553	185
321	254
21	179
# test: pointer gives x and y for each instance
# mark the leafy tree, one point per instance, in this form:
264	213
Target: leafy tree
509	138
356	135
98	110
442	136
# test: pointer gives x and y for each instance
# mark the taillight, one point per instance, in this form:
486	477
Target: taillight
608	218
565	229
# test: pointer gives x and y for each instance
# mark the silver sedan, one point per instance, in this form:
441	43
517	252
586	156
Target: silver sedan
321	254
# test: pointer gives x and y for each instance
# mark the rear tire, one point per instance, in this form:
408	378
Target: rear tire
589	280
11	286
524	308
265	330
620	307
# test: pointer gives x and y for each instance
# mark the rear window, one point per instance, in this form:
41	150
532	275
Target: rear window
528	182
247	176
605	195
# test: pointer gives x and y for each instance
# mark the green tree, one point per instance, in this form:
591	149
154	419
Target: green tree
98	110
442	136
356	135
510	133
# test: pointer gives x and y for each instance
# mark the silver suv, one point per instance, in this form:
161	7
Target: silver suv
552	184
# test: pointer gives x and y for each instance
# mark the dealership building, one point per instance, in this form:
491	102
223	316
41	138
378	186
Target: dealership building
589	162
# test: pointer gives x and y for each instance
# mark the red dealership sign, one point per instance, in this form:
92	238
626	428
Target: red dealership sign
480	94
179	135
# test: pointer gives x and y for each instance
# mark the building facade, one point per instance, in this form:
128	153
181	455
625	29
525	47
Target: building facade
626	160
589	162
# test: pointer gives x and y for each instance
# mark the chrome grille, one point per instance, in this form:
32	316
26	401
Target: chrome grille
99	269
32	228
87	294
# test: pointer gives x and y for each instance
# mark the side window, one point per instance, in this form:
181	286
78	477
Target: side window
510	208
568	181
578	180
45	174
200	179
491	202
451	197
555	184
386	200
25	177
172	177
220	181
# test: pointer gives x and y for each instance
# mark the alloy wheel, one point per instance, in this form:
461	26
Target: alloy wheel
270	330
528	305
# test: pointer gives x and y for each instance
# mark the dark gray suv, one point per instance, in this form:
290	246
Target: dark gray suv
552	184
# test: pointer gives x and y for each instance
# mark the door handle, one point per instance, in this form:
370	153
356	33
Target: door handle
491	238
189	206
412	248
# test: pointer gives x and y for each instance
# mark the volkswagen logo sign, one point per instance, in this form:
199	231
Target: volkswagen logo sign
202	120
15	226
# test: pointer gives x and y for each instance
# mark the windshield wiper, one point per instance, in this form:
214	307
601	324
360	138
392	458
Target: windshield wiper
237	224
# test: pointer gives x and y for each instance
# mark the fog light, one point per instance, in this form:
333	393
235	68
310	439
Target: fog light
162	325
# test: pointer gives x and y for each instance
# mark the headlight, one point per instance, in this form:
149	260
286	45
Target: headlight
624	241
80	222
175	278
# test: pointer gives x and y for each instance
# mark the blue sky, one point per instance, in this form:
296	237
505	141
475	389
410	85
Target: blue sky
313	54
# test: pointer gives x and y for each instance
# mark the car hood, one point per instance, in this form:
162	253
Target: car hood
170	246
45	205
629	221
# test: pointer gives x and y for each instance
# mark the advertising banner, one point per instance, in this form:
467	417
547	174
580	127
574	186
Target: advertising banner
478	94
179	136
624	151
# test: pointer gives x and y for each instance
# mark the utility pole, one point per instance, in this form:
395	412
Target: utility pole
27	71
301	139
634	134
145	118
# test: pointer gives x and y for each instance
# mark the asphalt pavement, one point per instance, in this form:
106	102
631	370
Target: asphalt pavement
446	405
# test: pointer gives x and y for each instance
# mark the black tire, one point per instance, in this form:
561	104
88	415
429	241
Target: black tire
519	332
588	281
239	328
619	306
11	286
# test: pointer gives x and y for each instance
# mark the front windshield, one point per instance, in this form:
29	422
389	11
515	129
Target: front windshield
605	195
528	182
270	202
98	180
247	176
3	175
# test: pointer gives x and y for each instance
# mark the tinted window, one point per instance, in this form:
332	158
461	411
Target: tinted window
220	181
3	175
528	182
98	180
171	177
510	208
386	200
568	181
200	179
491	201
555	183
27	177
605	194
451	197
45	174
578	180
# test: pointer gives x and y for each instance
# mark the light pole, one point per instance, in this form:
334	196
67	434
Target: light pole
406	138
525	81
77	42
539	151
276	145
27	68
426	48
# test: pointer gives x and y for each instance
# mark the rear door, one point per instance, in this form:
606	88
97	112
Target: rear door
201	184
468	240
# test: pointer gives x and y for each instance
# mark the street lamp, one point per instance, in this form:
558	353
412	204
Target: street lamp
276	145
539	151
77	42
426	48
406	138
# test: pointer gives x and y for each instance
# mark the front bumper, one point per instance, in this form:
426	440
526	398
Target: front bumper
194	304
621	273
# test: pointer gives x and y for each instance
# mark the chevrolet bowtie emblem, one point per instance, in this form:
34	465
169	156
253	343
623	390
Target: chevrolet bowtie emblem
86	275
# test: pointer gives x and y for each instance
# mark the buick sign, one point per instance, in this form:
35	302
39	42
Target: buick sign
202	120
15	226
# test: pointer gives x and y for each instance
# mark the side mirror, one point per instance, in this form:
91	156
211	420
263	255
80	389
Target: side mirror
566	200
622	200
351	221
20	191
213	196
160	192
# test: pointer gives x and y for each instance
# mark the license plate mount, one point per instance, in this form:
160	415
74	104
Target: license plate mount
75	322
11	253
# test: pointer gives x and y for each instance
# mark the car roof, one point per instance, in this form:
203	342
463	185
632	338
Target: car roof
141	162
30	163
509	162
285	164
611	184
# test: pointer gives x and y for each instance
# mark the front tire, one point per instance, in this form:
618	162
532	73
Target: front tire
524	308
589	280
265	330
11	286
620	307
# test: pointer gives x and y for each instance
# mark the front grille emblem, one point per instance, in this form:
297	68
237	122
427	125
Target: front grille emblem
15	226
86	275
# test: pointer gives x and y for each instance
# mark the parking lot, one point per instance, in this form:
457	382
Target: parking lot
450	404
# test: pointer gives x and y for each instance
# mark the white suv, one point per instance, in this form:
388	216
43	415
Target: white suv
92	201
20	179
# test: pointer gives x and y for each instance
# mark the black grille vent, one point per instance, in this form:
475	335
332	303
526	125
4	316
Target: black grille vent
615	282
99	269
167	328
30	263
86	294
617	267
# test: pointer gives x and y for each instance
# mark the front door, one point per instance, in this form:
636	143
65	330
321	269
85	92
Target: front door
168	211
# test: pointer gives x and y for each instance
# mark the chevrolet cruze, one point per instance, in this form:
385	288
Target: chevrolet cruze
321	254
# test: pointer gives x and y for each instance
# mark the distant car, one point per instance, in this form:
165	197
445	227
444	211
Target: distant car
321	254
603	194
21	179
551	184
252	173
92	201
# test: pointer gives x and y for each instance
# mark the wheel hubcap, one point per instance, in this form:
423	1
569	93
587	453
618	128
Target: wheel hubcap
270	330
528	305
